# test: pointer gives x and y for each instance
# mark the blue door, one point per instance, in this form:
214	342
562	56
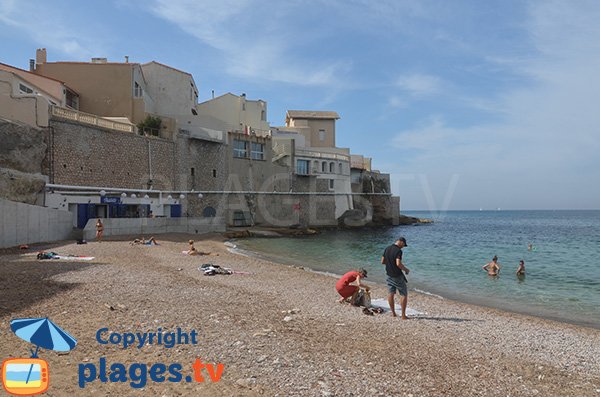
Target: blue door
84	213
176	211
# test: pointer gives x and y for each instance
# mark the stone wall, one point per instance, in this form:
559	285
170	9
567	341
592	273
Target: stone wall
92	156
148	227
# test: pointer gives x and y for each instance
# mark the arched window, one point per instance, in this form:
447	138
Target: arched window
341	168
332	167
323	166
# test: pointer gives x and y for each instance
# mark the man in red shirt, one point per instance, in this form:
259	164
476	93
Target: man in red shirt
346	290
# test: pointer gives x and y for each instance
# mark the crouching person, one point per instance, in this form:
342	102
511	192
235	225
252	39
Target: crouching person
345	288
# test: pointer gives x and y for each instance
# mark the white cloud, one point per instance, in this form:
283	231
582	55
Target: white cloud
543	152
419	85
45	25
254	39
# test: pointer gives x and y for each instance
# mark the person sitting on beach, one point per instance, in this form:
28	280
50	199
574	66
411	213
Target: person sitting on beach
192	250
346	290
521	268
493	268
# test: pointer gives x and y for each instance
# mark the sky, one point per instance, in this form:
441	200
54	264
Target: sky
467	104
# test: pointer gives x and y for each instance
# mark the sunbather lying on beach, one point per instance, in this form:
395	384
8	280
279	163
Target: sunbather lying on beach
143	241
493	268
346	290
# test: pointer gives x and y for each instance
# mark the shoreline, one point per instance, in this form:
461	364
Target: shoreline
437	294
279	329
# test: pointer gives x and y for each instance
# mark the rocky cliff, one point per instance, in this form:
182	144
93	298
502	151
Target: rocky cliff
22	162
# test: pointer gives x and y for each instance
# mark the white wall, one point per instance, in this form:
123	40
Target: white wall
174	92
148	227
26	224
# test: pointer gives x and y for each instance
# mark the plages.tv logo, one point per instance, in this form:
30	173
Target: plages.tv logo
30	376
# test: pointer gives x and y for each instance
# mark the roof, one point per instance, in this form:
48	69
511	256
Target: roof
22	72
166	66
311	114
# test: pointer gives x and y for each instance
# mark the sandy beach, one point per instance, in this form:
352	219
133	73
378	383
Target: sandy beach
277	330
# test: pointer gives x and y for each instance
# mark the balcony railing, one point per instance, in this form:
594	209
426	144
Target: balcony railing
90	119
322	155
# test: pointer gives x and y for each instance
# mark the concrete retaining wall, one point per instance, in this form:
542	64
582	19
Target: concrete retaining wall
154	226
26	224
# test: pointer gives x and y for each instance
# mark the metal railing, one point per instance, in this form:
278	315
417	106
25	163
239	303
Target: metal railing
322	155
90	119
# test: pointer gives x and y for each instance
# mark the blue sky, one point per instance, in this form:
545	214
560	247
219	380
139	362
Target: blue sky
467	104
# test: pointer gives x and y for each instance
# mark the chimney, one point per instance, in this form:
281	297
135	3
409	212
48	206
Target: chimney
126	58
31	65
40	56
99	60
213	94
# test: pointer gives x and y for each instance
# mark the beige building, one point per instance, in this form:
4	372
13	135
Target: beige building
318	127
173	91
238	113
27	97
109	89
55	91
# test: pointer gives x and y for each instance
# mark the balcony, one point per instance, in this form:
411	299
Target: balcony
322	155
86	118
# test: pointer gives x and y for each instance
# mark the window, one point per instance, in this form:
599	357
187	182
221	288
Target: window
355	176
214	173
263	115
323	167
240	148
332	167
258	151
315	166
341	169
137	90
302	167
321	135
24	89
192	171
331	184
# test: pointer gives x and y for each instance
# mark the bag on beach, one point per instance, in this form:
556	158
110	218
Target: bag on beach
363	298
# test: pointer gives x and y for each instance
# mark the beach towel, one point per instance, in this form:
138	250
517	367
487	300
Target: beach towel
210	270
383	303
54	255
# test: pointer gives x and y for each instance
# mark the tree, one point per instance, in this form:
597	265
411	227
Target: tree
150	126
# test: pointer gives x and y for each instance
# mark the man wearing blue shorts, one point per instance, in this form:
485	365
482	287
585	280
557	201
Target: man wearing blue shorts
396	280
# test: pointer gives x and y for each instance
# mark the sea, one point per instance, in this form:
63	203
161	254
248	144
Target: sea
445	258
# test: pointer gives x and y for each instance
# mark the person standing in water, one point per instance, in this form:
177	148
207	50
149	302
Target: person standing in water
521	268
493	268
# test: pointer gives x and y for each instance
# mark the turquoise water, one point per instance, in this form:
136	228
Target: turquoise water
445	258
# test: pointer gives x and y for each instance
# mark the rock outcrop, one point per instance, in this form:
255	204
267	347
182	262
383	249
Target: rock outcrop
22	162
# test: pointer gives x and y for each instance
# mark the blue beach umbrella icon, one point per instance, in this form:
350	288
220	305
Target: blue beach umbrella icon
42	333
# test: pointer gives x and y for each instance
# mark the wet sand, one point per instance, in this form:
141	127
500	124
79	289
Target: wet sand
279	330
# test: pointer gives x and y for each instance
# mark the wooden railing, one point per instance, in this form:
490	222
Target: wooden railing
91	119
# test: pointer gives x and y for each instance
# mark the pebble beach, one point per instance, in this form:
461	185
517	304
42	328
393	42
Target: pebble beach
278	330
